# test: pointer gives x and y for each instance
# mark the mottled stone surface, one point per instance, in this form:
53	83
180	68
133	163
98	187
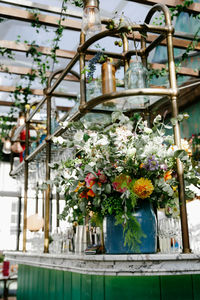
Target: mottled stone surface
116	265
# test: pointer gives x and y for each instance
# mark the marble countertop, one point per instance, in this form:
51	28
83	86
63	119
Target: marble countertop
115	265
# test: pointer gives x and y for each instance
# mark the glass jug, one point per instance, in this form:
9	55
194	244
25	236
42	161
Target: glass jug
136	77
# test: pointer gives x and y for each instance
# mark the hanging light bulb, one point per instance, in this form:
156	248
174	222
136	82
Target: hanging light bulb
91	22
35	223
7	146
21	119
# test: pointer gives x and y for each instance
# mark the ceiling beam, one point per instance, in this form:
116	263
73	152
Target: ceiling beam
181	71
58	107
42	7
22	47
193	8
23	15
24	71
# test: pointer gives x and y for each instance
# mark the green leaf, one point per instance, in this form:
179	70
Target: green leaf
108	188
86	137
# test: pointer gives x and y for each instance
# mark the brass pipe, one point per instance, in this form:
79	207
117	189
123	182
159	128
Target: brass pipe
64	72
82	74
26	183
36	109
144	53
132	92
48	190
125	50
141	28
35	152
155	43
177	138
166	12
57	209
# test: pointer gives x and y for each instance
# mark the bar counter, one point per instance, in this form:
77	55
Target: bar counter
107	277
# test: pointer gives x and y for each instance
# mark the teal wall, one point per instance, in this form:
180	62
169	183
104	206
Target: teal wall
39	283
192	124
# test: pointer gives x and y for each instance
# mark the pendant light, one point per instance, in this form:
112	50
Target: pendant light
35	223
91	21
16	147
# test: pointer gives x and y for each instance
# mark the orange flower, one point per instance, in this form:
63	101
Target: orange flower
83	195
141	165
168	175
80	184
143	188
90	193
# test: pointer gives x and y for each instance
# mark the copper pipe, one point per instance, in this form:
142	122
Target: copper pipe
48	190
26	184
82	74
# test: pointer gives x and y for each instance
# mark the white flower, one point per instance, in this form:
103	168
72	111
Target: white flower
75	206
147	130
194	189
78	136
103	141
131	152
185	146
64	124
58	140
92	164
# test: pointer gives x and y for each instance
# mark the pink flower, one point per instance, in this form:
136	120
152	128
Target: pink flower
116	187
90	180
102	177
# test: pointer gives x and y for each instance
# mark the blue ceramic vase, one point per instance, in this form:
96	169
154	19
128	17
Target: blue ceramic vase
114	238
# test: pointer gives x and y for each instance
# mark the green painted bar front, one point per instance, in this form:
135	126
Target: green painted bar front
50	284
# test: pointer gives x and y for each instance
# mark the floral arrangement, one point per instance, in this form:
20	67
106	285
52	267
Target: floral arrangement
111	167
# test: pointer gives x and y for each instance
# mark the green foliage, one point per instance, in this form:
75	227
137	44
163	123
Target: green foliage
132	231
6	52
1	257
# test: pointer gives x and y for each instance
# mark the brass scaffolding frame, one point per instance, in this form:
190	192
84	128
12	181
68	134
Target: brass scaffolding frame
163	32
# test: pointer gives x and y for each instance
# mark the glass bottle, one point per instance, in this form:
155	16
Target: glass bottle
136	77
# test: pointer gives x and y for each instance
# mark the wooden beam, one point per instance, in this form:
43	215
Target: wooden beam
11	89
23	71
23	15
42	7
180	71
22	47
58	107
193	8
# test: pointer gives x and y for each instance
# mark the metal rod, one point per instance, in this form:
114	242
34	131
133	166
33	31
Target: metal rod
26	183
82	74
132	92
36	151
125	49
57	209
19	222
36	199
155	43
177	138
64	72
48	190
